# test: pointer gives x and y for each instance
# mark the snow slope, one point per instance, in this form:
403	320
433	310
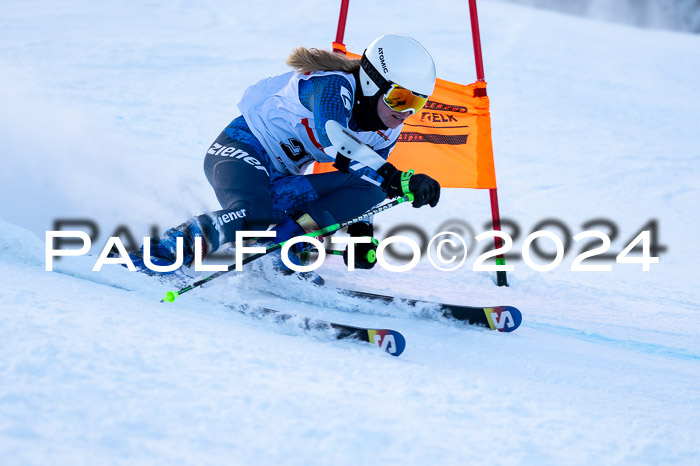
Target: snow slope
107	109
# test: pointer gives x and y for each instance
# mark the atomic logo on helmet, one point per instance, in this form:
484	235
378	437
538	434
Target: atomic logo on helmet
408	72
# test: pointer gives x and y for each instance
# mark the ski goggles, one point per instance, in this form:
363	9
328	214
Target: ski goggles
400	99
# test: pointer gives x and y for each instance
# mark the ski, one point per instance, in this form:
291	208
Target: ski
501	318
390	341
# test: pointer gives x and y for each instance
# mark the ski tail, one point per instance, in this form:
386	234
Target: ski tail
391	341
387	340
503	318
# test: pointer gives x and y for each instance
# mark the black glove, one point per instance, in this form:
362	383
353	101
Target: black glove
365	253
397	183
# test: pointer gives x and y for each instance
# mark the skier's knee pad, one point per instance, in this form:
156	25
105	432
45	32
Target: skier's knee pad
321	217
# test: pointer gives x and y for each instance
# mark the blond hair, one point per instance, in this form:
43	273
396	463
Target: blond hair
309	60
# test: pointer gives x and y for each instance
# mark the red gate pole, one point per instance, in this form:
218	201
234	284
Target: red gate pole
338	45
501	279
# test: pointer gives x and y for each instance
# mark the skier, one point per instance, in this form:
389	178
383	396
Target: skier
256	164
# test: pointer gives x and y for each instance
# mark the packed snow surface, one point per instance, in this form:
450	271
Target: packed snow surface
107	110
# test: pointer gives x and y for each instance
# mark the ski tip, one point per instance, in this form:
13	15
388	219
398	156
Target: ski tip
390	341
504	318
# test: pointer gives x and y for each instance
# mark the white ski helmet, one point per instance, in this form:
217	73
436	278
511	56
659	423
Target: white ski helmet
397	59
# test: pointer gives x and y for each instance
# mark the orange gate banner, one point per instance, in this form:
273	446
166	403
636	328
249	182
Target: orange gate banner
449	139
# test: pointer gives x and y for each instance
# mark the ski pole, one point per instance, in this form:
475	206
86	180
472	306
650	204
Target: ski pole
370	257
171	295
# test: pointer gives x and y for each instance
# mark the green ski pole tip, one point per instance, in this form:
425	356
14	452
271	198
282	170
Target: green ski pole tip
170	296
